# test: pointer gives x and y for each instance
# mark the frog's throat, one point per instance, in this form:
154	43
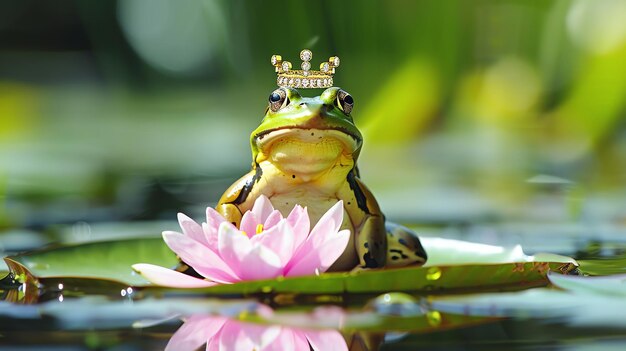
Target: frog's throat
306	151
266	140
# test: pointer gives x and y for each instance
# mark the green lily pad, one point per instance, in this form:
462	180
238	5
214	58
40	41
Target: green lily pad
427	280
110	260
614	285
442	251
604	266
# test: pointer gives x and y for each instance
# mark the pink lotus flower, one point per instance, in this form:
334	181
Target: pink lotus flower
265	246
221	333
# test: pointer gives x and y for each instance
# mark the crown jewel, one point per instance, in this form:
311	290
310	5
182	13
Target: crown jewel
304	78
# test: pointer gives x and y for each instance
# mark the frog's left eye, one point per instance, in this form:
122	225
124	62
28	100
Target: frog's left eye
345	102
278	99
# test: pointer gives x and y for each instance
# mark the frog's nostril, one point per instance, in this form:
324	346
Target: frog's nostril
302	103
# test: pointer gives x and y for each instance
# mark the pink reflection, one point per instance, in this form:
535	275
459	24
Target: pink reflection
221	333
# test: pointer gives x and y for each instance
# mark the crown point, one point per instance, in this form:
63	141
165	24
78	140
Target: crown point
306	55
334	61
275	60
324	67
306	65
286	65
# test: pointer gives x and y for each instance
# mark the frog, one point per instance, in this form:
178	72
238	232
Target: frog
305	152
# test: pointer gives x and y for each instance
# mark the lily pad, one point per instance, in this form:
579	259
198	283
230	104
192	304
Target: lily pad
110	260
501	269
604	266
614	285
442	251
426	280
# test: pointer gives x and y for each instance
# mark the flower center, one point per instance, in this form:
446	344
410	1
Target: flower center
259	228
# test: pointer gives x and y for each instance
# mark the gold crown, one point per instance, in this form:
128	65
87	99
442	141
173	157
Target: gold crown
305	78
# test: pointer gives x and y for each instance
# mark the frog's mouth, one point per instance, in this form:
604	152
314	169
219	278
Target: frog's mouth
315	136
301	150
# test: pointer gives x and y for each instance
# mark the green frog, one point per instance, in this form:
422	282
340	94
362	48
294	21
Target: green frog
305	152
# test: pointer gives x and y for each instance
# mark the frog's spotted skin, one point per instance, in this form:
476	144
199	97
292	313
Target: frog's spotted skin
404	248
304	152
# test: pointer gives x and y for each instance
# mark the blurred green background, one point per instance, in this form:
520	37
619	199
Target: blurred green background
474	112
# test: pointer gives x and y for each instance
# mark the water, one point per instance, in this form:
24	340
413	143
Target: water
86	314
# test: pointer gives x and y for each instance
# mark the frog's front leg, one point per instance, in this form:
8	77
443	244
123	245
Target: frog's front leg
371	242
370	235
237	195
230	212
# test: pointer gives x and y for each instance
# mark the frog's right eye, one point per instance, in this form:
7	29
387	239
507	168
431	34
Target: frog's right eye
344	101
278	99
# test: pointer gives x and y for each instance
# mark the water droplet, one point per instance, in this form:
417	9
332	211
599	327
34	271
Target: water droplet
396	304
129	290
60	286
433	273
81	231
433	318
60	298
123	292
266	289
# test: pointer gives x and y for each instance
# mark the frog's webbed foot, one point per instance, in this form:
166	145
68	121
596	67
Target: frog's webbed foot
404	247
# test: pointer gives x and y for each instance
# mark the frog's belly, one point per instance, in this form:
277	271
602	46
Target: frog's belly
316	206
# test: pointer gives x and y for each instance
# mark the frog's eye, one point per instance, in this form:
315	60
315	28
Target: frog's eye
345	102
278	99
